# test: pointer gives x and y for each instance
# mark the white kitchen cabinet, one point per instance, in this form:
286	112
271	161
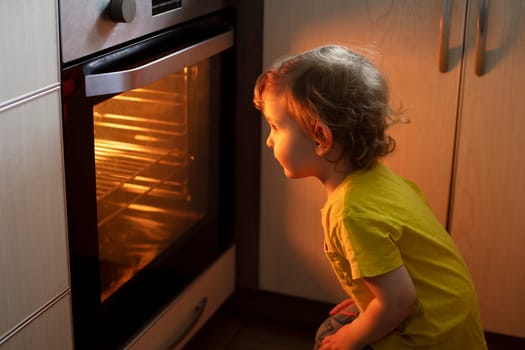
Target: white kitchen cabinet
29	43
402	38
50	330
33	246
487	210
35	310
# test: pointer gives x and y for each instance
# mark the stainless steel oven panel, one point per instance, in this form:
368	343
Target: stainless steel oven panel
87	26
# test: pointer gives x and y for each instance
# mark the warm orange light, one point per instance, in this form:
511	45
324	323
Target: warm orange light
142	158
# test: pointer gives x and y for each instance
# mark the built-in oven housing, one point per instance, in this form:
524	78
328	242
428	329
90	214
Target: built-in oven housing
148	135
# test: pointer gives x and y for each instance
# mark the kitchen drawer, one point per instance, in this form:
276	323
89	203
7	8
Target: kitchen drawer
29	43
50	330
189	311
33	245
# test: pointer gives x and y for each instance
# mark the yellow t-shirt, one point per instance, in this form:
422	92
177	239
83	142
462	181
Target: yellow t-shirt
376	221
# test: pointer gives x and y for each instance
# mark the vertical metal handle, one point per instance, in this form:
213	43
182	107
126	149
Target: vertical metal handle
481	37
444	28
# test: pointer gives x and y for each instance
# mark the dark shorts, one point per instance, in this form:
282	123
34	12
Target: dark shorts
333	323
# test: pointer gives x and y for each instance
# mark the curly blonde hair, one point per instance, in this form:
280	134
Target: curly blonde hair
342	89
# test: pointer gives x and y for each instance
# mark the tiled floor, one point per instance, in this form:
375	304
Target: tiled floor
256	320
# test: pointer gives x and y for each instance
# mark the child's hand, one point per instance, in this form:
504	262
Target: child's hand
337	341
342	306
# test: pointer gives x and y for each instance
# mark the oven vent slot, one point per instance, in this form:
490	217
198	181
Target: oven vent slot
161	6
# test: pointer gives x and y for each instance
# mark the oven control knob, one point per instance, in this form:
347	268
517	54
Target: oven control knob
123	10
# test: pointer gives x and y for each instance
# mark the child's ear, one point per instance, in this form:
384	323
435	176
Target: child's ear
323	139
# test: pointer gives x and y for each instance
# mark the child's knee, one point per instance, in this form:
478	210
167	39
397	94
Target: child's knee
332	324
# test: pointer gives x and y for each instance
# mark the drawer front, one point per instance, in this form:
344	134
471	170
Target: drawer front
29	42
175	326
51	330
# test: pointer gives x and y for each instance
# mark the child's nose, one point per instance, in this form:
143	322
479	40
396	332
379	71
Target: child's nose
269	141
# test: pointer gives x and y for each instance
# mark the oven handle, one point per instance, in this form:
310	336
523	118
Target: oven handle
125	80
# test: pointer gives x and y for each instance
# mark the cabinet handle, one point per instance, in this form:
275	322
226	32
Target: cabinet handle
444	29
194	318
481	37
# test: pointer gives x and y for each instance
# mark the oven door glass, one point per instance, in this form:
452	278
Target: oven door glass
151	166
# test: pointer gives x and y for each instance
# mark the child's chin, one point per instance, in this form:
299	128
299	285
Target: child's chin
291	175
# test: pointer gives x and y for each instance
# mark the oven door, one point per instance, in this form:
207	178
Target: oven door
147	140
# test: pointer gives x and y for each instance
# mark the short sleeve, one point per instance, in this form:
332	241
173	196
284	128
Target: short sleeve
370	241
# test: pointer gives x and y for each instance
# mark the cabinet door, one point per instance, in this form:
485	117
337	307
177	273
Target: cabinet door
488	221
51	330
402	37
33	248
29	43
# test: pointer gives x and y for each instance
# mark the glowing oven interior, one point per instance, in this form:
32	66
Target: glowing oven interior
151	163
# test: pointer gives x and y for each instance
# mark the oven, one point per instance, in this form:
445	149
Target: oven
148	119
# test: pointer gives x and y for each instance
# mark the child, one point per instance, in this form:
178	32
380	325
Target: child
328	110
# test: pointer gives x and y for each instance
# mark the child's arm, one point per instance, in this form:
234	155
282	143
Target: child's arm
395	296
345	304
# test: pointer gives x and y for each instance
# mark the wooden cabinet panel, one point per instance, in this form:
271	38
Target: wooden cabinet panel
33	248
487	220
402	37
52	330
29	42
